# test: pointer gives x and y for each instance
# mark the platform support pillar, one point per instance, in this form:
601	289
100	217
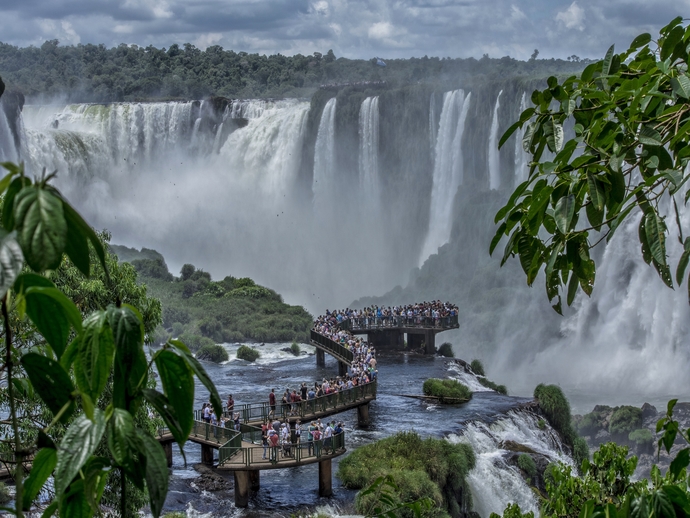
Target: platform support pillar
363	415
342	369
206	454
168	448
320	358
241	488
325	480
429	342
255	480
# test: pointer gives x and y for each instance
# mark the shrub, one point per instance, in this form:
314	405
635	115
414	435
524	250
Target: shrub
177	329
295	348
501	389
555	407
446	350
160	335
154	268
213	353
4	494
580	450
641	436
477	367
195	342
447	390
526	463
247	353
624	420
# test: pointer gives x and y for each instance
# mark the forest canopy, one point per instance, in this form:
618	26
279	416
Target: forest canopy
94	73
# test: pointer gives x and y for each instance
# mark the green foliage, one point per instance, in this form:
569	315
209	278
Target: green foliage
91	374
419	467
501	389
641	436
155	268
477	367
295	348
447	390
384	502
526	463
513	511
624	420
213	353
446	350
250	354
195	342
629	155
4	494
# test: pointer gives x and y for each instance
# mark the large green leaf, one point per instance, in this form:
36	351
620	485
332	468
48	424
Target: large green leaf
683	262
681	86
78	444
680	462
94	355
156	472
563	212
168	413
52	313
178	385
649	136
596	192
124	444
96	472
130	363
52	383
74	504
78	231
655	231
11	260
8	202
42	467
41	227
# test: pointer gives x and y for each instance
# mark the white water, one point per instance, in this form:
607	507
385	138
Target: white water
448	170
521	156
433	126
324	184
8	151
494	159
493	482
369	154
468	379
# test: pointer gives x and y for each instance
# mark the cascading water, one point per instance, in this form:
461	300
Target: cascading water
369	153
8	151
447	170
494	482
494	158
433	125
324	163
521	156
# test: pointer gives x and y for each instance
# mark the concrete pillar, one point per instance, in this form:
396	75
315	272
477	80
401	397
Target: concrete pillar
363	415
320	358
414	340
168	448
241	488
255	480
429	342
342	369
325	480
206	454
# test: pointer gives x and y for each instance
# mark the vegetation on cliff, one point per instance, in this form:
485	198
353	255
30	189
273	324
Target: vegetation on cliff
446	390
250	354
203	312
432	468
478	368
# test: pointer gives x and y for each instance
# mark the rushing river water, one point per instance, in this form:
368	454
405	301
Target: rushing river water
295	490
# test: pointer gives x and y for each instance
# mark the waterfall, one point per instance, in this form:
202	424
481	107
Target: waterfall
8	151
216	139
324	161
495	482
447	176
369	152
521	156
494	159
433	125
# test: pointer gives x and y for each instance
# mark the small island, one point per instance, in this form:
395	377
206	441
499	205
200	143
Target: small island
446	391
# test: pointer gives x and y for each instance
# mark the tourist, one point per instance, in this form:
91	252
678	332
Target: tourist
316	433
328	439
272	403
236	419
310	436
206	412
298	432
230	405
274	441
264	438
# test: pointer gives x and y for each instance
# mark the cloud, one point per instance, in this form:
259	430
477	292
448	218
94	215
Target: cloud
573	17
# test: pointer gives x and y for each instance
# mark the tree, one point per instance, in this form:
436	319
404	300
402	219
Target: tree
534	54
90	374
187	271
629	157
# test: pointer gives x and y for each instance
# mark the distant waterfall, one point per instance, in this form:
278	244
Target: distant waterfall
433	126
369	152
324	161
521	156
447	170
8	151
494	482
494	159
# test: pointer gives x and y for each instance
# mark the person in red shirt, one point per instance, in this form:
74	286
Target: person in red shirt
272	403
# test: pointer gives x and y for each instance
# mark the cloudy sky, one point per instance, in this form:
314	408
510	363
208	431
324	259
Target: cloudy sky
352	28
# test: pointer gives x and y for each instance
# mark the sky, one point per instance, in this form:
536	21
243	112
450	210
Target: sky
351	28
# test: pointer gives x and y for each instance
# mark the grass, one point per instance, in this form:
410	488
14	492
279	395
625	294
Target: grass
247	353
446	350
448	391
213	353
526	463
295	348
477	367
430	467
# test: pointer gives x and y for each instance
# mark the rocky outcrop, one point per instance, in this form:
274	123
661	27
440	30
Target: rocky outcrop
210	480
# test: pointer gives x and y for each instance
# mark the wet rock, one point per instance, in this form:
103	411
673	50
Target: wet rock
649	411
516	447
210	480
602	436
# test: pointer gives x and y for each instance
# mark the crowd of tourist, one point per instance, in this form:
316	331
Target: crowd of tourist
424	314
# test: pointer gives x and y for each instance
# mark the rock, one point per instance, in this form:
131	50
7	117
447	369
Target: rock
210	480
649	411
602	436
516	447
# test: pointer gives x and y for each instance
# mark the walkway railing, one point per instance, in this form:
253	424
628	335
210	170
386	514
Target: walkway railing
333	347
276	455
391	322
212	433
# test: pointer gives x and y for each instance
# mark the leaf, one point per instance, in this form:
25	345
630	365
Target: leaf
52	313
50	510
670	42
123	442
553	131
7	179
94	355
497	237
74	503
8	202
11	261
41	227
596	192
95	473
649	136
680	462
51	382
156	472
539	201
42	467
683	262
640	41
168	413
563	212
572	288
130	362
606	63
508	133
77	230
654	229
681	86
528	136
178	385
78	444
